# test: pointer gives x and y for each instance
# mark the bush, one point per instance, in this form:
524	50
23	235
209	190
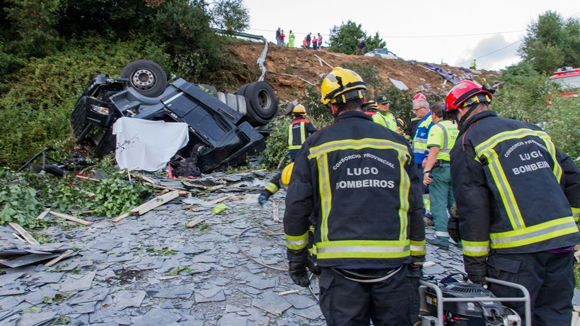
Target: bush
37	105
277	143
527	100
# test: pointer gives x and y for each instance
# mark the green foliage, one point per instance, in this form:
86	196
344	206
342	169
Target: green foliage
117	196
552	42
32	25
277	143
519	73
345	38
230	15
528	101
37	105
18	202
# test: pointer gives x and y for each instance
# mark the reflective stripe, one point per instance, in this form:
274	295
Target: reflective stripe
404	189
576	214
505	191
475	248
271	187
506	135
356	144
552	149
302	132
442	234
290	137
325	194
533	234
420	150
420	140
362	249
295	147
296	242
489	144
418	248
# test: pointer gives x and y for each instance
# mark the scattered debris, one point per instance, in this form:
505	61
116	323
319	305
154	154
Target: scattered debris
155	202
399	84
70	218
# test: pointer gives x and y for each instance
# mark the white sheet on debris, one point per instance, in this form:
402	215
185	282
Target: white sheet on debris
148	145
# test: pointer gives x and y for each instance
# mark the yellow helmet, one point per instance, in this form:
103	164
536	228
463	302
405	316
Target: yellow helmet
286	174
299	109
341	85
370	105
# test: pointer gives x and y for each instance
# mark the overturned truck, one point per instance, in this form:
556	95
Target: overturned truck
222	126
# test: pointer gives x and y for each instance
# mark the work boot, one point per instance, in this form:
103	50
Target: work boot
440	242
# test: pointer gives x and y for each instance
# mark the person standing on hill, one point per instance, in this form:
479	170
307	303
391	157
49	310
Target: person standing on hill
319	41
361	46
291	39
282	36
308	39
314	43
278	36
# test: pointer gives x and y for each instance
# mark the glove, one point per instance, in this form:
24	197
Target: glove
480	279
313	268
298	273
453	228
416	266
262	200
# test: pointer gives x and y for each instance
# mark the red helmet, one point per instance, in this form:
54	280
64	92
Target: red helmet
419	96
464	94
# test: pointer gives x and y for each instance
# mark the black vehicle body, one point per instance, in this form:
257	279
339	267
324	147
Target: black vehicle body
218	135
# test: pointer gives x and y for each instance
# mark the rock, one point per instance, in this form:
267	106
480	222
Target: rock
80	284
126	299
272	303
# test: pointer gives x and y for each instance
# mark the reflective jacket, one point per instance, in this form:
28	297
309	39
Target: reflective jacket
513	190
338	177
298	131
273	186
443	135
420	140
390	120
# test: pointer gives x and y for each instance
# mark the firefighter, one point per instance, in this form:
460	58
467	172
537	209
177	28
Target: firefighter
280	180
437	176
518	200
298	130
383	104
369	252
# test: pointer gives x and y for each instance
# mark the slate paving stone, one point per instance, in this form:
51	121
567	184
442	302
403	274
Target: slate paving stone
32	319
83	308
95	256
205	259
199	268
44	278
93	295
106	315
41	295
178	292
13	288
121	258
217	297
261	283
230	308
300	301
312	312
9	278
272	303
10	319
7	303
80	284
173	304
28	260
105	245
232	320
156	317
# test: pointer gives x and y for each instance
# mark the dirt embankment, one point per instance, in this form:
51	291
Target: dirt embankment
304	64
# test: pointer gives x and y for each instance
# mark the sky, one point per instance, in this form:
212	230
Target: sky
443	31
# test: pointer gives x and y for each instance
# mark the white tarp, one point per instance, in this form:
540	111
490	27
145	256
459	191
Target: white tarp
148	145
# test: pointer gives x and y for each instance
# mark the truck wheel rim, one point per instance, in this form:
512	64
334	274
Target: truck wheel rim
143	79
264	99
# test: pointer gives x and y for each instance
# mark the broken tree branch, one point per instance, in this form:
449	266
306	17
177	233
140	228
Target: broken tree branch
326	63
64	255
43	214
70	218
154	203
288	75
27	236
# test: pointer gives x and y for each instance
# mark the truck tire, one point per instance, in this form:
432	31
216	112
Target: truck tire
146	77
262	104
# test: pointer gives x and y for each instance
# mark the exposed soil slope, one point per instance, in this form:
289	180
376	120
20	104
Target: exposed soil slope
304	64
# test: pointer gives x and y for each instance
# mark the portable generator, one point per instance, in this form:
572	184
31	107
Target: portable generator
450	302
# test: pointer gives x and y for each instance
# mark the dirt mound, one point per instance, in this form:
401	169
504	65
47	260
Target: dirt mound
304	64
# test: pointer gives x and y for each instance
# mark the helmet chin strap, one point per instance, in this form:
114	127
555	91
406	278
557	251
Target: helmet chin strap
461	121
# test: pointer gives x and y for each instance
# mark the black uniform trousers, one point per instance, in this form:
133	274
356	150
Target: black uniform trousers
549	277
391	302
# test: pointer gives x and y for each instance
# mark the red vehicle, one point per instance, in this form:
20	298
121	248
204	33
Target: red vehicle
569	79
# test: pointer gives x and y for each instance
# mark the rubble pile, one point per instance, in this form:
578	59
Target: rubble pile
161	268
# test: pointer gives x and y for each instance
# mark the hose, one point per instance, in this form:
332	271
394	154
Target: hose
254	259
